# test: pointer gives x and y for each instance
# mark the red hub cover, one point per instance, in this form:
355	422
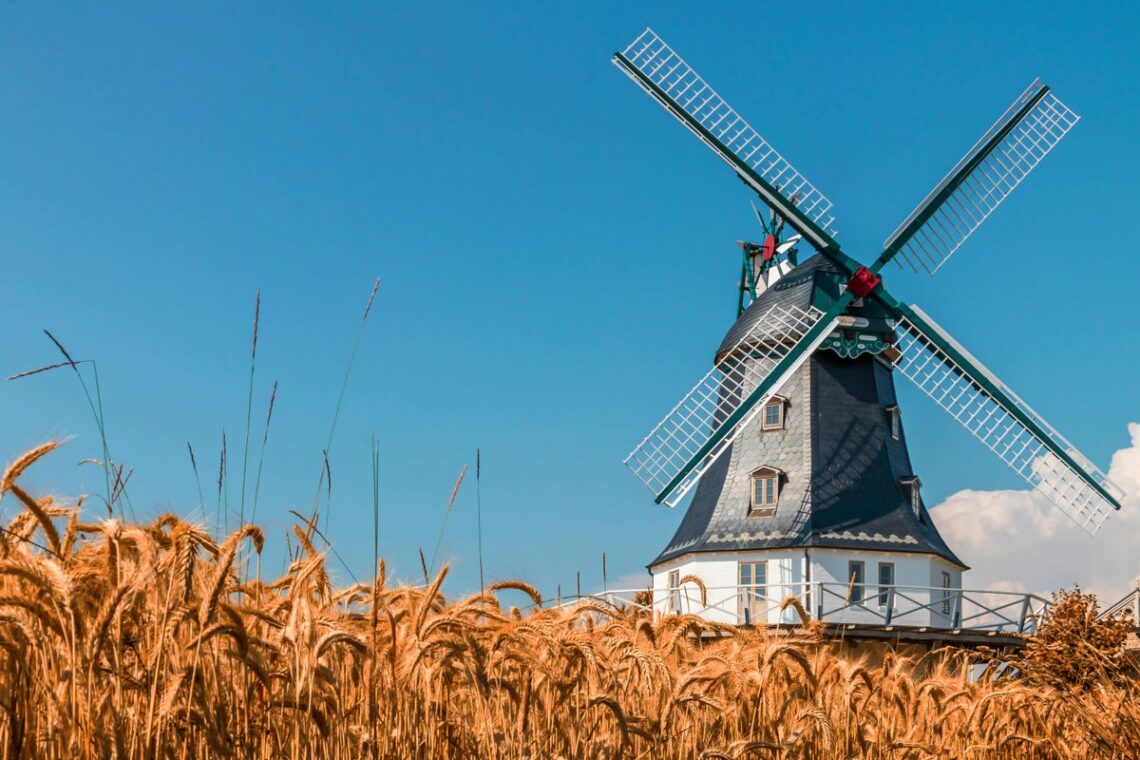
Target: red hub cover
769	247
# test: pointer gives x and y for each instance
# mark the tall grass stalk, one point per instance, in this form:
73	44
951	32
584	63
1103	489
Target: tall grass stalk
340	396
197	480
95	404
479	513
446	514
221	511
249	405
378	580
375	501
261	453
312	531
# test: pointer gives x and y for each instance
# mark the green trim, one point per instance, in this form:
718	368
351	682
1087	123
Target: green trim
864	342
955	182
745	284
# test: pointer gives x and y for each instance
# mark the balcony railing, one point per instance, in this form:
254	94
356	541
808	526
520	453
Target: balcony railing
864	604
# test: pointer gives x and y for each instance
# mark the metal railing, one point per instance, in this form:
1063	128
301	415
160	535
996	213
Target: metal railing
1130	603
859	604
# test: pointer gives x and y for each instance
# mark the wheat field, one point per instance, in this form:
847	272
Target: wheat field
124	640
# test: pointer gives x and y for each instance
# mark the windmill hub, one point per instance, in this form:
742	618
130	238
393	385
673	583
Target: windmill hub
863	282
793	440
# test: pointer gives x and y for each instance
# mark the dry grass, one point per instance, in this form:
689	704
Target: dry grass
140	641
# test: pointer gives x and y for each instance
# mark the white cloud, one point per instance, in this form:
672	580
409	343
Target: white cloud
1017	540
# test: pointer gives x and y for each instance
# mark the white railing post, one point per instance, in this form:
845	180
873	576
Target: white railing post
1025	613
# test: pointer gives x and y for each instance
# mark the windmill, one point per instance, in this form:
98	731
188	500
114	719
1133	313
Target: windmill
828	335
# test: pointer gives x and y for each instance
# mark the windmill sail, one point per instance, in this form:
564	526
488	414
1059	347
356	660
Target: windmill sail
709	418
1005	424
657	69
985	177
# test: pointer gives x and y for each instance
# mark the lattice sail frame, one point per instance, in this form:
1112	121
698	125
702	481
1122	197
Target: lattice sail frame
990	421
678	439
989	183
650	55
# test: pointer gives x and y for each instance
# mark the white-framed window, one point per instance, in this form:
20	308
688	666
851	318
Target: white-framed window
772	417
674	591
765	491
945	593
894	418
752	592
754	575
857	577
886	580
912	487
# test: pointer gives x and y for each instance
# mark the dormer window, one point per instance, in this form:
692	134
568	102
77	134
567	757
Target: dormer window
912	486
765	491
772	416
894	418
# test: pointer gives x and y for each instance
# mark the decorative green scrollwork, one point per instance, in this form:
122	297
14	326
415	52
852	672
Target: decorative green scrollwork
850	343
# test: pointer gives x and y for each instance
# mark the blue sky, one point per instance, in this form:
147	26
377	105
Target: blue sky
557	254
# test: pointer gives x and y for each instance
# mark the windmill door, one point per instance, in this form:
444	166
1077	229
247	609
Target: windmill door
752	593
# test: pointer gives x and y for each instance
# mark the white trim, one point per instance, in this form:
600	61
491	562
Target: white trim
781	403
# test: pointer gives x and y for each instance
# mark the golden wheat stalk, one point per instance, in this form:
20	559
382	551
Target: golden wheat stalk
138	641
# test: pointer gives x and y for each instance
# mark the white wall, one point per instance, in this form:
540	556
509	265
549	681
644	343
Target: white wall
787	573
916	570
718	571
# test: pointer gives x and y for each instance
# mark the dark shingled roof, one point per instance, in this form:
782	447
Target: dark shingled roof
853	498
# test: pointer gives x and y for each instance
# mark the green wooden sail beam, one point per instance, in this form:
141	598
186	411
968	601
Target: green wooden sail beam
767	192
981	181
966	167
984	379
769	385
773	197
